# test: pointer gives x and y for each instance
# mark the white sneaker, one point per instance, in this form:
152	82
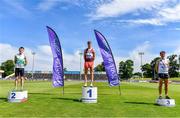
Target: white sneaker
85	84
91	85
15	89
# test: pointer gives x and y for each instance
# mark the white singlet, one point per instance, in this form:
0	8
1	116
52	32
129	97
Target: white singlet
163	66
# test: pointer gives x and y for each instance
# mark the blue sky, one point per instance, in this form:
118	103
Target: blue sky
130	26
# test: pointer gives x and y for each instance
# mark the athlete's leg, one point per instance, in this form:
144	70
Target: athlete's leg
22	78
160	86
166	83
92	75
22	83
85	76
16	82
16	78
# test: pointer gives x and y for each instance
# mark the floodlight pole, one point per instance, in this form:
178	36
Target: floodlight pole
80	66
33	54
179	65
141	55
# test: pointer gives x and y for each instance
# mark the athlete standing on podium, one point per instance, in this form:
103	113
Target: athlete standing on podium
162	68
20	62
89	57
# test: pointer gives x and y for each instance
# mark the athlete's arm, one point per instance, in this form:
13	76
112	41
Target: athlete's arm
15	59
25	60
157	66
94	55
84	54
168	63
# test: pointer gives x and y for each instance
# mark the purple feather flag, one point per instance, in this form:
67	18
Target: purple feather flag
108	59
58	74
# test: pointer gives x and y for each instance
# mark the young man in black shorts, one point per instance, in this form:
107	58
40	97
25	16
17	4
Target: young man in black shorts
20	63
162	67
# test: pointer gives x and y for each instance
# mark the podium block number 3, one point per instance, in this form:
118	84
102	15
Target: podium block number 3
90	92
13	95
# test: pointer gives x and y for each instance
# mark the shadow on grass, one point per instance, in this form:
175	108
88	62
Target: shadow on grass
68	99
145	103
108	94
40	93
3	99
72	93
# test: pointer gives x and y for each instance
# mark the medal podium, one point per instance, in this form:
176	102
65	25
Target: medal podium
89	95
166	102
18	96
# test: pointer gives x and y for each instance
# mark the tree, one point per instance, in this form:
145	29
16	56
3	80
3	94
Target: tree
122	69
126	69
100	68
65	69
173	66
153	65
147	70
8	67
137	74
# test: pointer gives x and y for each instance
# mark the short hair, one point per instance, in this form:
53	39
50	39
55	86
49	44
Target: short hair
21	48
162	52
89	42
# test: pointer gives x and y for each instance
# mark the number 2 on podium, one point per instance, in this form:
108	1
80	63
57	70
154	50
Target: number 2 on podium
90	92
13	95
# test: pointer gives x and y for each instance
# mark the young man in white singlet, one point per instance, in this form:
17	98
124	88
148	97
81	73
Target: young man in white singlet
20	63
162	68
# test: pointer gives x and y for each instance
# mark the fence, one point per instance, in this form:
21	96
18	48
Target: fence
48	76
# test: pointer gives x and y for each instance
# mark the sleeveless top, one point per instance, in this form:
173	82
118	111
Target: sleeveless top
163	66
20	61
89	55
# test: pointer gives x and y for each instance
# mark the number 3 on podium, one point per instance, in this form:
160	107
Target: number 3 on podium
13	95
90	92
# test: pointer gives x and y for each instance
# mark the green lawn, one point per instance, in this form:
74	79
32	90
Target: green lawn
137	100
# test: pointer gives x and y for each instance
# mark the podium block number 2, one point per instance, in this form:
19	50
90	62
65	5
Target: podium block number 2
13	95
90	92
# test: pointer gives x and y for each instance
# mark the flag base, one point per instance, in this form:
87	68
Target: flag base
18	96
166	102
89	95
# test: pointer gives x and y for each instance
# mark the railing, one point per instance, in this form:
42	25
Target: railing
48	76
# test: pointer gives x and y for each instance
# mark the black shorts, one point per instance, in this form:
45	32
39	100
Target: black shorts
19	72
163	76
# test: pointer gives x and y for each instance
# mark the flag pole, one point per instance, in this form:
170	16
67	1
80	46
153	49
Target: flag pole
63	84
63	90
119	90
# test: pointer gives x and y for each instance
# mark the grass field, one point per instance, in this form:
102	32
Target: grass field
137	100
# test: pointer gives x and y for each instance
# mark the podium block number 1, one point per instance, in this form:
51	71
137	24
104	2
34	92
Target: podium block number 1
168	102
13	95
90	92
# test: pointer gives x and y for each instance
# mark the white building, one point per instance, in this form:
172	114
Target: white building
1	72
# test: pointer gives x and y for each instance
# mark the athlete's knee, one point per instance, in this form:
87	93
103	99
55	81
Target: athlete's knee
91	70
166	81
160	85
85	72
17	78
22	78
166	85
